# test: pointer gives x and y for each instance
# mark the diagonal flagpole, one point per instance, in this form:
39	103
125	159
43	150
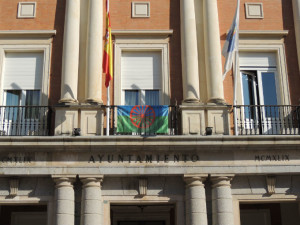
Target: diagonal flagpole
231	52
236	70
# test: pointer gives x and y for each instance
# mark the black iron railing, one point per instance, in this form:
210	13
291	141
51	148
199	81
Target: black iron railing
25	120
145	128
267	119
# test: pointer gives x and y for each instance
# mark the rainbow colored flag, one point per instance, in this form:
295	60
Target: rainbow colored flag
108	55
143	119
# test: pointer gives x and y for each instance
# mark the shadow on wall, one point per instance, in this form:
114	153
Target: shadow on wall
291	51
175	54
56	58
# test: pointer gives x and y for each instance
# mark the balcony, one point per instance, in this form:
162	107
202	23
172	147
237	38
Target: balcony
25	120
267	119
250	120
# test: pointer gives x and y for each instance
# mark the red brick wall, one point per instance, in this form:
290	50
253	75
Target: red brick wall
164	15
49	16
278	15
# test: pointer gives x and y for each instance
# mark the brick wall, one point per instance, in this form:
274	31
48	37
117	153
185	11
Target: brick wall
278	15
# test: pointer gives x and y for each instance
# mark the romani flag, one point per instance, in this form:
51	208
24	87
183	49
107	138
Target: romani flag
108	56
143	119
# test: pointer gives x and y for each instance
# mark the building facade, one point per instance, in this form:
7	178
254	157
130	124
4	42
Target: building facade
65	157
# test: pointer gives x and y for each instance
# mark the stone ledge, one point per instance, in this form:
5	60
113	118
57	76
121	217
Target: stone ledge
27	33
169	143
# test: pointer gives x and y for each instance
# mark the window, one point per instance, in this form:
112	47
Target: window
22	84
260	91
141	77
141	72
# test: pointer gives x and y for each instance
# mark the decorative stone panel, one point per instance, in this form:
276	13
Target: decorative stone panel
254	10
27	10
140	9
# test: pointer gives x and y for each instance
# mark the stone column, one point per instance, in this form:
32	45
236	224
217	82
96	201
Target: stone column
94	52
222	209
296	11
189	53
195	200
91	203
213	52
65	205
70	58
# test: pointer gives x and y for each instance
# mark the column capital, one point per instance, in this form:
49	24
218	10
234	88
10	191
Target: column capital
194	179
221	180
91	180
64	180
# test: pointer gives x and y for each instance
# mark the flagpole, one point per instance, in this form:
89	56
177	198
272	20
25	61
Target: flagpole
236	72
107	112
235	76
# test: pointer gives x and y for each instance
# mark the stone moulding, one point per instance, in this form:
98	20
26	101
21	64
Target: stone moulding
271	182
13	187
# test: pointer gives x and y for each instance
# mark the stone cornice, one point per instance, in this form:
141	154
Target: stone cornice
159	143
263	33
27	33
142	32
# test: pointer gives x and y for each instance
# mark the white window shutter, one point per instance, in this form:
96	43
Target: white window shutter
258	59
141	70
23	71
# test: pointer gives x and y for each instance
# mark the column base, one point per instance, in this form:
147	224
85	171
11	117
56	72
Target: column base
91	121
191	100
196	117
193	119
87	117
66	119
218	101
68	100
94	101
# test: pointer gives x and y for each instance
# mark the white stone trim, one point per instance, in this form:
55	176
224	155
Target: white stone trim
177	201
141	32
31	33
45	49
270	43
20	8
264	33
139	44
252	5
134	13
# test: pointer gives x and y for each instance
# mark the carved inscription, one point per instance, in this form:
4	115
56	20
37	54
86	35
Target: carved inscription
272	158
148	158
16	159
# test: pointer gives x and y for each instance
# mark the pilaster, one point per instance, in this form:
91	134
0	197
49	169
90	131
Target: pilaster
195	200
213	58
64	197
296	12
189	52
70	58
222	204
94	52
91	204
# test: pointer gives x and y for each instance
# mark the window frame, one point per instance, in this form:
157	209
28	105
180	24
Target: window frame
269	42
259	72
28	41
136	41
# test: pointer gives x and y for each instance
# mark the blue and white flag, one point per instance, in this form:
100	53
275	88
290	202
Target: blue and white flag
232	41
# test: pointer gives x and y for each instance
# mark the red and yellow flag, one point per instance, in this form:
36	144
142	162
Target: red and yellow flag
108	56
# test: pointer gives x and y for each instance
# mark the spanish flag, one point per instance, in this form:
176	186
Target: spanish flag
108	56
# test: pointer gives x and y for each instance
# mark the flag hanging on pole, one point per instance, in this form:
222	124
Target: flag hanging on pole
108	56
232	41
